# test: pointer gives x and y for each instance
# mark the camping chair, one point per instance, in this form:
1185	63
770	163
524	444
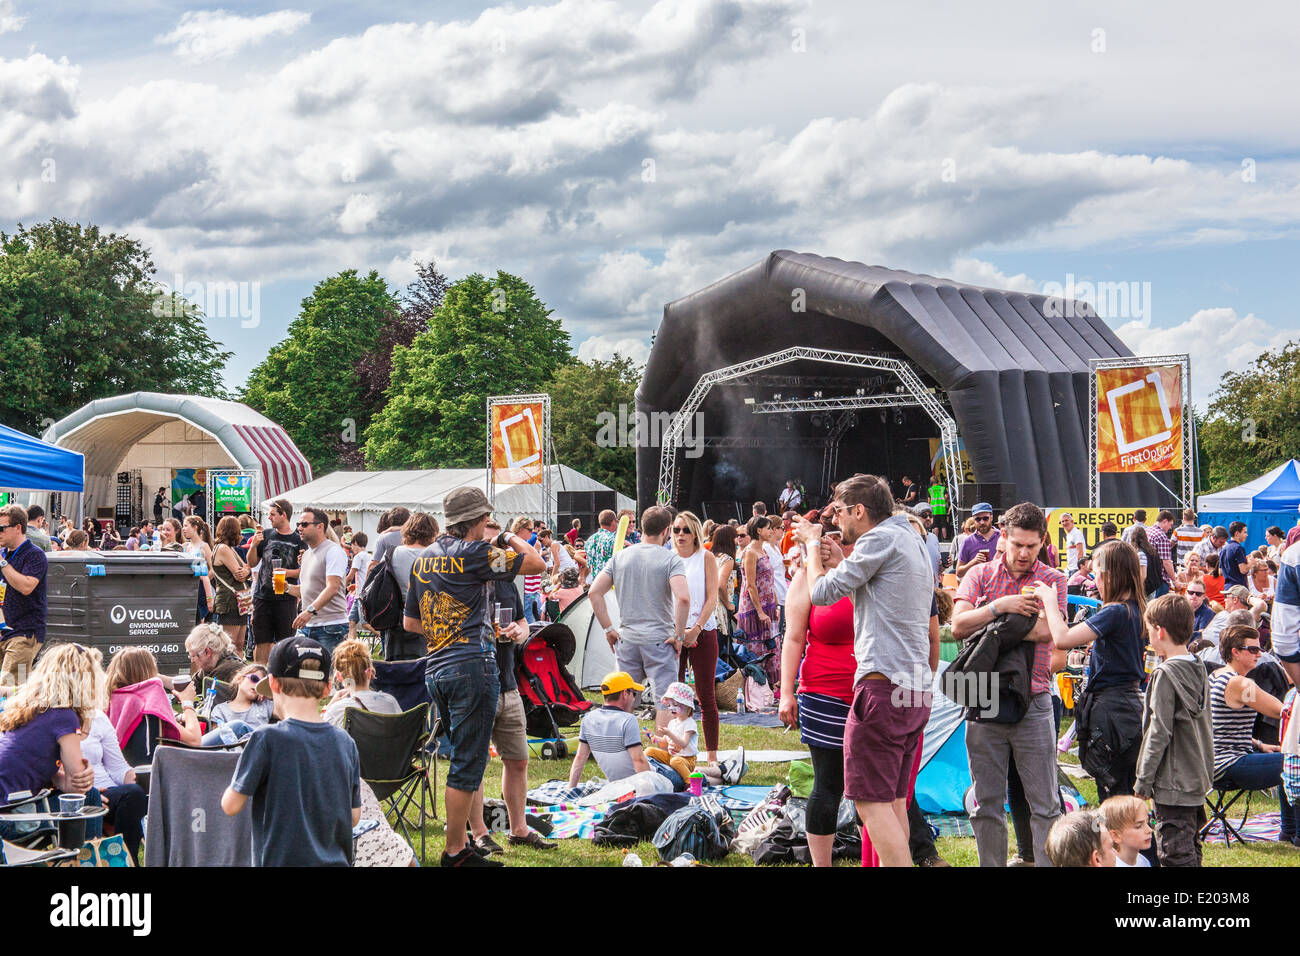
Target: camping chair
187	785
143	741
1220	803
396	763
404	680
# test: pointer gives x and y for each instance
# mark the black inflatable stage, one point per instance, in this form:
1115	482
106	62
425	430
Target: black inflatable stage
1013	376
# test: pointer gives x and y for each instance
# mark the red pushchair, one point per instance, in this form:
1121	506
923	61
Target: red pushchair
552	698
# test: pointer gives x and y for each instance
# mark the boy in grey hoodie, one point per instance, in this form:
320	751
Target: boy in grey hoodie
1176	759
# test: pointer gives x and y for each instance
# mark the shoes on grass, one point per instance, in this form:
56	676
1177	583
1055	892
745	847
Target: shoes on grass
533	841
486	845
734	768
467	857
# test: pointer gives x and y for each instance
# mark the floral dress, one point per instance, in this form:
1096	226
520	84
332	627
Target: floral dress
760	638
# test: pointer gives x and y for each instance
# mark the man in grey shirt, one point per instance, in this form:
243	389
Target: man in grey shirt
390	531
653	603
890	580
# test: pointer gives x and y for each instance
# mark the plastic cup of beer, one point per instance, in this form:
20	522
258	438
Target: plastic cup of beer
504	617
278	580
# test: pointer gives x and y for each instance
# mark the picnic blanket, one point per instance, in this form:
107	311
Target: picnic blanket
1262	828
571	822
767	756
554	792
749	719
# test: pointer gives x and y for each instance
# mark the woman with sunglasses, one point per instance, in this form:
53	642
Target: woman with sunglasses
758	606
236	719
700	645
1242	762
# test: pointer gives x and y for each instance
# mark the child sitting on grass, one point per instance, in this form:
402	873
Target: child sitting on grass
1126	819
680	737
303	774
236	719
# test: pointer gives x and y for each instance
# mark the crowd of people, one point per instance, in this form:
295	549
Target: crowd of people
1190	661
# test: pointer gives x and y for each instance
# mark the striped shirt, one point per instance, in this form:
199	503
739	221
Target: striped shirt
1234	730
821	720
1187	537
532	584
986	583
609	732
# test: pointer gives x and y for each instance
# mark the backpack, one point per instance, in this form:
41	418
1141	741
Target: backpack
693	830
381	598
1154	573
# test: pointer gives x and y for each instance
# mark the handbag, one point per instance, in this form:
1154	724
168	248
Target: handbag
102	852
243	598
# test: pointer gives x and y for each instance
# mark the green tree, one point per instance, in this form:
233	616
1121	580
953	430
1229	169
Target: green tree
308	382
81	318
490	336
584	396
1252	425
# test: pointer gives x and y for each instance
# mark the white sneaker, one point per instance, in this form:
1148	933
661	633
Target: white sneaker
734	768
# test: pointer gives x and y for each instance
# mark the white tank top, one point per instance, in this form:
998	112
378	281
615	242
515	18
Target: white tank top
695	584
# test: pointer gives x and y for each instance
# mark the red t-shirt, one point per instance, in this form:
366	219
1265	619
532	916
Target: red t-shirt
1213	588
571	536
828	661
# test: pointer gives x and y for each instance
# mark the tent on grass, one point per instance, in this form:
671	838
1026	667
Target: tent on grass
593	658
29	464
944	777
1271	499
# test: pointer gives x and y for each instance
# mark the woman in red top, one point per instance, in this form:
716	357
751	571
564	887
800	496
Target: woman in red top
822	637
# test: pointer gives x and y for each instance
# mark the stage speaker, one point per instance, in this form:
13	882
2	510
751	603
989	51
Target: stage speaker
1001	495
585	506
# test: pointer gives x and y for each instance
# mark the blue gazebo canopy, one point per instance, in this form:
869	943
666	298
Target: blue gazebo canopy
29	464
1276	490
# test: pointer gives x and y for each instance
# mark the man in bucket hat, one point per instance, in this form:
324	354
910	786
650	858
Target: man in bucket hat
449	601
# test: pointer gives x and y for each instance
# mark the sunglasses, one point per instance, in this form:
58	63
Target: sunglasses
1195	593
254	677
306	524
1252	649
681	530
6	527
983	517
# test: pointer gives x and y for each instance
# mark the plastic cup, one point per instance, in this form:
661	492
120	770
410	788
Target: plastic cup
278	580
697	784
70	804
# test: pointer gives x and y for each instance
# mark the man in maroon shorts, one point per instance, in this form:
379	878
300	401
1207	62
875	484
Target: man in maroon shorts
890	579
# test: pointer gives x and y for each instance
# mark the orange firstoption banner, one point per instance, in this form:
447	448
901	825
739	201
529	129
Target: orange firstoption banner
1140	419
516	443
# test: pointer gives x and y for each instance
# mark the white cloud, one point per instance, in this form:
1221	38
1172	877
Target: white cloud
358	214
986	274
214	34
1218	341
36	88
10	22
606	347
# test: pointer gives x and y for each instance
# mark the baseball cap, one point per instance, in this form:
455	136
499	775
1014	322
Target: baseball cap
299	657
922	509
983	508
465	504
1240	593
616	682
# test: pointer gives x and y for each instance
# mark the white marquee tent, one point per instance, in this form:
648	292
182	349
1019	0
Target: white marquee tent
364	495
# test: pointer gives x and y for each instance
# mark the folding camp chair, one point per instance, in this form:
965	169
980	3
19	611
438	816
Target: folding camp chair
396	762
1218	808
139	747
404	680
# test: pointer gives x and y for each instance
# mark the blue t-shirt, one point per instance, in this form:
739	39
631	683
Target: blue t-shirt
25	613
1203	616
305	780
1118	654
28	754
452	584
1232	555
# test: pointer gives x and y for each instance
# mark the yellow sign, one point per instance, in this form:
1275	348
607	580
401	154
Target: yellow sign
517	454
939	467
1089	521
1140	419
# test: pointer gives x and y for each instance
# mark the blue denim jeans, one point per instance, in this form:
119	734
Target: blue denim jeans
1260	772
466	693
328	636
532	608
668	773
230	733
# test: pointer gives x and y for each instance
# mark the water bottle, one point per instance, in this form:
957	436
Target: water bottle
740	702
632	860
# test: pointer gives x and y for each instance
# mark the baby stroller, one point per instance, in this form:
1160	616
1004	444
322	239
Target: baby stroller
552	698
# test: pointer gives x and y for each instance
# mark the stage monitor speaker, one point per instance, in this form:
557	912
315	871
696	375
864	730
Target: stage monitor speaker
1001	495
585	506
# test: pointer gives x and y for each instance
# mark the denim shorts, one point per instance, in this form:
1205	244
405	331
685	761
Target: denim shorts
466	694
328	636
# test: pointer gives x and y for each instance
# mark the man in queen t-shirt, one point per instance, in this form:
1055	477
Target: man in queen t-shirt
449	601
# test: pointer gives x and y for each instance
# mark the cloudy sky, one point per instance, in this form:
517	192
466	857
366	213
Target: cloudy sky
621	154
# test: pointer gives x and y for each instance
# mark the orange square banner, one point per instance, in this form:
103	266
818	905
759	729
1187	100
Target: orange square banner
1140	419
517	453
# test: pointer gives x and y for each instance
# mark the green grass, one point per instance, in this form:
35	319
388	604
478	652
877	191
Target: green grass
959	851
